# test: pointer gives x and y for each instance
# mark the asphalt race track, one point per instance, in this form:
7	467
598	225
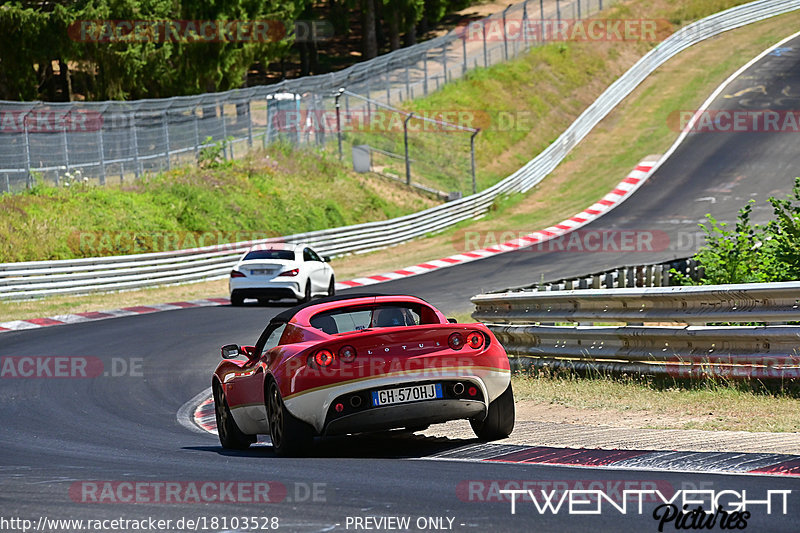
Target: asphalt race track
62	438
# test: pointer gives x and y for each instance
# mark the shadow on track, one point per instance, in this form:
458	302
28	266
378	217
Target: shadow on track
384	445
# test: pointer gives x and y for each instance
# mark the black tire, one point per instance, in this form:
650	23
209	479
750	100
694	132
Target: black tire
230	436
307	294
499	421
290	437
237	300
332	287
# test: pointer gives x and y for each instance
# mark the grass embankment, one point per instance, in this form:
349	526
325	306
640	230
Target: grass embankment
277	192
657	404
637	128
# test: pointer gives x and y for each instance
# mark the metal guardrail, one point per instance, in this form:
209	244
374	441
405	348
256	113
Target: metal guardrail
700	304
758	352
18	280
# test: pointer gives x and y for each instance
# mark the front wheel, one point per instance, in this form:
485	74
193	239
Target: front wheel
499	421
290	436
230	436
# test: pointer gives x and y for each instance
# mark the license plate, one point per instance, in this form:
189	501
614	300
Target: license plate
260	272
407	394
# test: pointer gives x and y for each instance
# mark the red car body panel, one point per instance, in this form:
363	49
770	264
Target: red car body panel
385	357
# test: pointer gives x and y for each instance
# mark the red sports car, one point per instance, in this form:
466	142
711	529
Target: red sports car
360	363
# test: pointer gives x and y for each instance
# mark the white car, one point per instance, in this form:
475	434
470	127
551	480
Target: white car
274	271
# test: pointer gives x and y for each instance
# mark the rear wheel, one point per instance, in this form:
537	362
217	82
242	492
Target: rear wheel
499	421
290	436
332	287
307	294
230	436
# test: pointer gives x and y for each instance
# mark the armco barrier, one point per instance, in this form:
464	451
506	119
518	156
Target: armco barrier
702	304
32	279
758	352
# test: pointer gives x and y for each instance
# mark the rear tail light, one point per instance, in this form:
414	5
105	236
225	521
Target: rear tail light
474	340
237	274
323	358
347	354
293	272
456	341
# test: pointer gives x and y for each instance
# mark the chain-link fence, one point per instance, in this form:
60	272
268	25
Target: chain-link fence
118	141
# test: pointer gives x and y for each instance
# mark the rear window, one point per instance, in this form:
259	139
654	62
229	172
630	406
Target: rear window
270	254
358	318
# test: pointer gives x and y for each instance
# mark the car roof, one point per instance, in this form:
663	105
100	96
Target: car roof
278	246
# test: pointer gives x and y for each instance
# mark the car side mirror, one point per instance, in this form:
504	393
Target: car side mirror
326	258
452	320
231	351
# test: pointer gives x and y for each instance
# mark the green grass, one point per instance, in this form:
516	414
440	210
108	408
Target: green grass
280	192
666	403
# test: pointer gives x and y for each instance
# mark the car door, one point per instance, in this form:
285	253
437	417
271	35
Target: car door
250	384
316	270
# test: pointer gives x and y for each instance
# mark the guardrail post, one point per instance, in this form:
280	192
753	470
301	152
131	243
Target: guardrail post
196	134
8	184
596	281
425	73
568	285
224	131
338	121
464	53
579	9
268	130
64	141
609	280
28	179
505	33
405	142
485	56
135	146
249	125
472	159
101	152
541	20
631	277
444	61
558	10
407	83
166	137
583	283
657	275
524	28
